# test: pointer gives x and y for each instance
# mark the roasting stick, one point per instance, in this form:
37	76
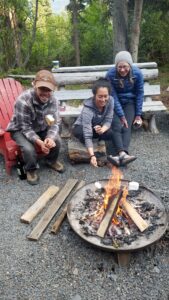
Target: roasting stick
136	218
60	218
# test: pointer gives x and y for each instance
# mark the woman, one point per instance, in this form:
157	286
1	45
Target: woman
96	117
127	90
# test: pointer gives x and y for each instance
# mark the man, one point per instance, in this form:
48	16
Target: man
35	123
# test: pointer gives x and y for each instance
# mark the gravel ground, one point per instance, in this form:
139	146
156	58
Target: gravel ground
64	267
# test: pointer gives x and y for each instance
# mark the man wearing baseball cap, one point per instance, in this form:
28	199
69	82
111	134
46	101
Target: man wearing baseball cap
35	123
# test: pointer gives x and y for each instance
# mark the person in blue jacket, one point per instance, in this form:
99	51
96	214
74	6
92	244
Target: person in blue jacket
128	92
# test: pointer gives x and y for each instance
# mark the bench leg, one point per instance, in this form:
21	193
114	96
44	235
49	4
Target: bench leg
152	125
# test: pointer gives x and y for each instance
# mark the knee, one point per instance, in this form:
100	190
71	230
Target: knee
28	149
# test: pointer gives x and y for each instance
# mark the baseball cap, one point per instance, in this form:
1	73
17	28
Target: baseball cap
45	78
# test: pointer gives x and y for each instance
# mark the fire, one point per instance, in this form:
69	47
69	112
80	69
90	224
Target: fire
113	185
112	188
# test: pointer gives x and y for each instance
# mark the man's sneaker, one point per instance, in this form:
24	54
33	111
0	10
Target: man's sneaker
32	177
126	159
57	166
115	160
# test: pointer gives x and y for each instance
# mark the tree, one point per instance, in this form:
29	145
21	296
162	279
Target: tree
126	37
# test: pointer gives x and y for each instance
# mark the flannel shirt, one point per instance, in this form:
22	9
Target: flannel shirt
29	116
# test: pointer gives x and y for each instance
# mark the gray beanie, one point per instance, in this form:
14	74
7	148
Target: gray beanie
123	56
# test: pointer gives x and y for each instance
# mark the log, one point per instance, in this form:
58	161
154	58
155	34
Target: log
61	217
53	208
37	207
136	218
78	152
109	214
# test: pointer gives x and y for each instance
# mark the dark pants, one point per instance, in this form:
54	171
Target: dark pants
121	135
77	131
28	149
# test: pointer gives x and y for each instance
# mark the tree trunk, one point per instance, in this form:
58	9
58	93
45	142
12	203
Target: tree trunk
33	35
75	32
135	29
120	25
16	37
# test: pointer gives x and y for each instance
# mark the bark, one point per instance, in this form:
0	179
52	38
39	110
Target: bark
16	37
33	35
135	29
120	25
75	32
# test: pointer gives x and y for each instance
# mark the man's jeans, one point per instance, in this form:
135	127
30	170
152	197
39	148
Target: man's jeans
28	149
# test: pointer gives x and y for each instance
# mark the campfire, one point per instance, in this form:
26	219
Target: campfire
117	214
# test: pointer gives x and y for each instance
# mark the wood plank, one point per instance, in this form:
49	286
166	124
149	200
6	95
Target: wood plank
109	214
37	207
53	208
65	95
136	218
100	67
61	217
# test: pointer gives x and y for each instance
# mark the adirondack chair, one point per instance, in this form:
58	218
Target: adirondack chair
9	91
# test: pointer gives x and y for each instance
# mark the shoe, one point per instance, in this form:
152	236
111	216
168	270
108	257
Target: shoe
32	177
57	166
126	159
115	160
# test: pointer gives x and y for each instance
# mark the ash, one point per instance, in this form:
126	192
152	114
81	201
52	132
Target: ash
122	231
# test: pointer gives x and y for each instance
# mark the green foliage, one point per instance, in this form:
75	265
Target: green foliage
96	37
154	42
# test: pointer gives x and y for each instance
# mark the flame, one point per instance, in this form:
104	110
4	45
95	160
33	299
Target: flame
113	185
112	188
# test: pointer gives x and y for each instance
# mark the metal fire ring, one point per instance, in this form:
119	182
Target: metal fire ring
76	205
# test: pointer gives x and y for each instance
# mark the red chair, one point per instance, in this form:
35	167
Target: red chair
10	89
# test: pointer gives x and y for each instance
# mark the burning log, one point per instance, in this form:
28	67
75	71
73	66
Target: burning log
136	218
114	201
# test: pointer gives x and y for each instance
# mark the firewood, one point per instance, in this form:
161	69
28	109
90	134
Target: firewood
134	215
109	214
60	218
53	208
40	203
78	152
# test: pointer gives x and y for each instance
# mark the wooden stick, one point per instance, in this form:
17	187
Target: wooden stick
49	214
60	218
136	218
109	215
37	207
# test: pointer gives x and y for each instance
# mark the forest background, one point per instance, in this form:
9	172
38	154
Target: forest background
32	35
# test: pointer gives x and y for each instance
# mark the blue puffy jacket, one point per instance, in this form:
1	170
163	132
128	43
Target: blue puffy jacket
130	92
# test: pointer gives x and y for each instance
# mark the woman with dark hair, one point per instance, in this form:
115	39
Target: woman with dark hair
96	117
127	90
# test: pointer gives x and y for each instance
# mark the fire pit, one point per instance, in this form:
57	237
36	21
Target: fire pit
145	224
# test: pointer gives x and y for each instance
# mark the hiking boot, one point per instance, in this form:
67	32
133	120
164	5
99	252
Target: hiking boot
115	160
126	159
32	177
57	166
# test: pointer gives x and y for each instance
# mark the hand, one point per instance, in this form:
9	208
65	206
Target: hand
49	143
42	146
124	122
93	161
138	121
99	129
